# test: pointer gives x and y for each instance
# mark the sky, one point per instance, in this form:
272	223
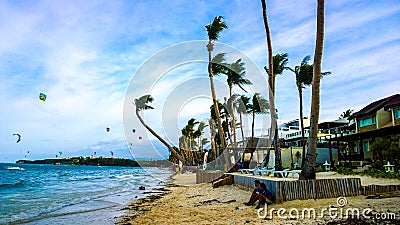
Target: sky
93	58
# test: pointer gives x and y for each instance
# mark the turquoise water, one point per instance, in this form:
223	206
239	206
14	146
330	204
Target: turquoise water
51	194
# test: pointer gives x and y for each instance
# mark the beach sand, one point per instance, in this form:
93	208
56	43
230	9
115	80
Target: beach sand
185	202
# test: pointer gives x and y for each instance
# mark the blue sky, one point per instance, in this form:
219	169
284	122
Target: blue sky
86	55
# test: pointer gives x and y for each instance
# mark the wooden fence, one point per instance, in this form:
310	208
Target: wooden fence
374	189
207	176
304	189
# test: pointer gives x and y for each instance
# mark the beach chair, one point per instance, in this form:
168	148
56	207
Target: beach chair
263	171
246	170
294	172
283	173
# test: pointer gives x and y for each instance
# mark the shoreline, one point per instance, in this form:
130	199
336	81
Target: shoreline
185	202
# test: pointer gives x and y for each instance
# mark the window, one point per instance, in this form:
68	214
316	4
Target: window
397	113
366	121
366	146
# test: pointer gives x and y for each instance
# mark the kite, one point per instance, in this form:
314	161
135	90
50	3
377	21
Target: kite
60	152
108	129
42	97
133	130
112	153
140	137
19	137
94	153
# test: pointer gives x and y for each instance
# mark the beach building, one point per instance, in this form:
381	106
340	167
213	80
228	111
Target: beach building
379	119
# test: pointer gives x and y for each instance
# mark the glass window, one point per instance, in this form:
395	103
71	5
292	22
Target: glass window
366	121
366	146
397	113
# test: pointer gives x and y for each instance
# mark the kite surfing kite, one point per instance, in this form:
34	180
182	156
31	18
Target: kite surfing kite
112	153
60	152
42	97
133	130
108	129
140	137
19	137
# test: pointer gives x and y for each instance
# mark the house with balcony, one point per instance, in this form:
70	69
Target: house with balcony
379	119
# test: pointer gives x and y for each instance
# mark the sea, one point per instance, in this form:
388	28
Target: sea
62	194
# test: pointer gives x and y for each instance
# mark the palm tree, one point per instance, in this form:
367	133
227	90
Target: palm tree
213	30
304	75
212	136
235	76
259	106
143	104
308	171
346	114
242	107
279	62
189	133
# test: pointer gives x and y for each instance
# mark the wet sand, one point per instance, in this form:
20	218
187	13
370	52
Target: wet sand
185	202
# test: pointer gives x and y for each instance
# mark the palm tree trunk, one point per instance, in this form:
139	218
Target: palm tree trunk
271	82
227	130
233	119
212	133
308	171
241	128
210	48
302	125
172	150
252	130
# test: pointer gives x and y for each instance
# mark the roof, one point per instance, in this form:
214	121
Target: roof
372	108
383	132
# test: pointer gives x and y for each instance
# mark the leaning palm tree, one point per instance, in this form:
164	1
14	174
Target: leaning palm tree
143	104
259	105
308	171
213	30
304	76
236	76
279	65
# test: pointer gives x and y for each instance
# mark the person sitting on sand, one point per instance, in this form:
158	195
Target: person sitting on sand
265	196
254	195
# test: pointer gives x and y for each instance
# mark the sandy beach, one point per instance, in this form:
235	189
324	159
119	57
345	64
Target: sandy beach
185	202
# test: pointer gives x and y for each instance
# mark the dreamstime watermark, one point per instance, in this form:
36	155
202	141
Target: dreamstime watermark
334	212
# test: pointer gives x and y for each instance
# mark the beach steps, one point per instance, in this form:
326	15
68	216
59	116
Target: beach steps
225	180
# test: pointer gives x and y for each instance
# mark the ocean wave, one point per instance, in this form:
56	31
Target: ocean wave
19	184
14	168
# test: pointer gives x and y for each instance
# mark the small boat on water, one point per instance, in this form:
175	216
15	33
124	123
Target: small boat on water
14	168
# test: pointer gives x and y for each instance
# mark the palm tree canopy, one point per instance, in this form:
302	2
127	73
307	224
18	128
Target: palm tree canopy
201	126
346	114
142	102
214	28
219	66
304	73
212	110
236	73
204	141
230	103
259	104
242	104
279	63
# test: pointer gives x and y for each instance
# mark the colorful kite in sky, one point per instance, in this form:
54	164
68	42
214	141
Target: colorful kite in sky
19	137
42	97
